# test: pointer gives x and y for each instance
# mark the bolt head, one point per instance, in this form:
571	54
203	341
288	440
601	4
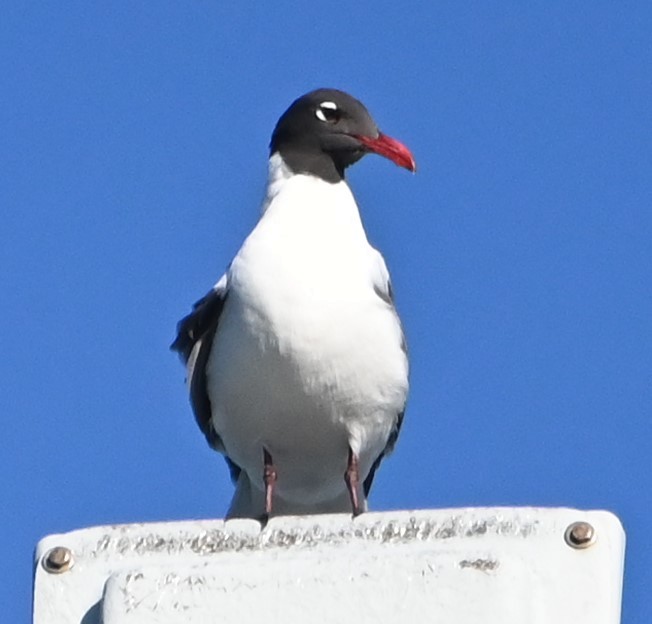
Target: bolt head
58	559
580	535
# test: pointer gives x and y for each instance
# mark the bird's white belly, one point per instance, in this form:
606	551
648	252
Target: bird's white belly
306	388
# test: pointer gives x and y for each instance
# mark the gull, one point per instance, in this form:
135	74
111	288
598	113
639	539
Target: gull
296	361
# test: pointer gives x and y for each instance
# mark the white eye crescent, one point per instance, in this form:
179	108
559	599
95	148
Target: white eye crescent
328	112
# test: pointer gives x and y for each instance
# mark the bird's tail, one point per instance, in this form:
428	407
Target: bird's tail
248	501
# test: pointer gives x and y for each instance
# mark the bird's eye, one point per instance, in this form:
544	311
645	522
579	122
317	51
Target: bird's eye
328	112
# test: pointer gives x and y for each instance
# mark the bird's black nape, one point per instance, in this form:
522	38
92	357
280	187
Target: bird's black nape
317	134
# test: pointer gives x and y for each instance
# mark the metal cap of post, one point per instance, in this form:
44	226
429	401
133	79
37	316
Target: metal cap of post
453	566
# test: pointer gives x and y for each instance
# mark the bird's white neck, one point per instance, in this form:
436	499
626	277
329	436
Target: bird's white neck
305	203
279	174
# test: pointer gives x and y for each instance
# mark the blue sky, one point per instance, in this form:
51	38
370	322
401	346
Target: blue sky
133	164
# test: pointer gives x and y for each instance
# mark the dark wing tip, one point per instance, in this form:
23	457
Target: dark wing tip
184	342
389	447
192	327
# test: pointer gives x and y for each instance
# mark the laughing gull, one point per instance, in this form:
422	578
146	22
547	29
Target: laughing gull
296	361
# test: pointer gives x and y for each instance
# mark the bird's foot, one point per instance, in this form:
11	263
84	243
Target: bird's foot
352	479
269	478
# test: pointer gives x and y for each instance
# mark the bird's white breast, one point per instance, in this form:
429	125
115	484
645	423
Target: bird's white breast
307	357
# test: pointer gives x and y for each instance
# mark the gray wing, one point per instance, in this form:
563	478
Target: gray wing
193	343
383	288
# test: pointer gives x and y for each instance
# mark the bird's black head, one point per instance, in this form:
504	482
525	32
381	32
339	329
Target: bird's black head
326	130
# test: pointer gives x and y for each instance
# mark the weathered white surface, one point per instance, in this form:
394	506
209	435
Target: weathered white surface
462	566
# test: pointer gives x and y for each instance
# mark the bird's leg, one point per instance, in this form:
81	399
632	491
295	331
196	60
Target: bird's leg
269	478
352	479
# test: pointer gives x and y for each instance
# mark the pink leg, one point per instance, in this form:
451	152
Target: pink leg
269	478
352	479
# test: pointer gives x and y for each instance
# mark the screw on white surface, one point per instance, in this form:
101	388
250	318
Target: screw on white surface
58	560
580	535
